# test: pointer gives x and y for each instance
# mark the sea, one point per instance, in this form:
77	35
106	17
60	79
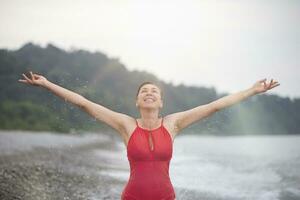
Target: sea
264	167
248	167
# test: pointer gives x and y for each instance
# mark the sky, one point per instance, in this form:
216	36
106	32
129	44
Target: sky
226	44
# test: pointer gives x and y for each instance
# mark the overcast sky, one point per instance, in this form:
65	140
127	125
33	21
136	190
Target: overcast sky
226	44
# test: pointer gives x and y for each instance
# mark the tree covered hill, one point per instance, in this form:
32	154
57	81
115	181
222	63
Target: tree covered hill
108	82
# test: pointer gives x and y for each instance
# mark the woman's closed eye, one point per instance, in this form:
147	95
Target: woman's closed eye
152	91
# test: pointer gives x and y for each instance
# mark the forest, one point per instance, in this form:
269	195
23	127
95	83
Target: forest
108	82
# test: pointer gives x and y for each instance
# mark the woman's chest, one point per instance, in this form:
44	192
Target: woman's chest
144	145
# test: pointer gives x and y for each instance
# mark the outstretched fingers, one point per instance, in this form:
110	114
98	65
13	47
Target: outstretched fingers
265	85
27	79
275	85
23	81
269	87
32	77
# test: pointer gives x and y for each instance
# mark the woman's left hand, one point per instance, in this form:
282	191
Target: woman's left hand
261	86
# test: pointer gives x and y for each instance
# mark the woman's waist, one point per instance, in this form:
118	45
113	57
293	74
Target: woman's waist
151	174
149	187
149	179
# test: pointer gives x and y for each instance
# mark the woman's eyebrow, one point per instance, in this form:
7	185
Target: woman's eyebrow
151	88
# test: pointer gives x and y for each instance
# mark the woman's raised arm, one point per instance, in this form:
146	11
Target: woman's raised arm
114	119
185	118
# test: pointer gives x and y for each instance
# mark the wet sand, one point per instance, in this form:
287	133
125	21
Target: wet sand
42	170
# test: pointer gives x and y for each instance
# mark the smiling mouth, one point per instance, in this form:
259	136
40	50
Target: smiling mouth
149	99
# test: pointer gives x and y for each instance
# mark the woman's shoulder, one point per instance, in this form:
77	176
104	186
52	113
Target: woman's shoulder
169	122
128	124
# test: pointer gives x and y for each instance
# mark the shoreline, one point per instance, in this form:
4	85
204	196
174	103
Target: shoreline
69	170
94	166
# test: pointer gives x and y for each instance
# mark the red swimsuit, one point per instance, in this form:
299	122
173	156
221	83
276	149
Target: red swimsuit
149	168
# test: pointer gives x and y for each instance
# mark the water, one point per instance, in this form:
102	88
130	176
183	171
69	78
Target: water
231	167
202	167
249	167
14	141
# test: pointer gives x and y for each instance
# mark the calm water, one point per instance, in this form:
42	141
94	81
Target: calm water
230	167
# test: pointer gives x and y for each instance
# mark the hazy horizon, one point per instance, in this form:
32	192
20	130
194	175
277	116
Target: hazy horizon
227	45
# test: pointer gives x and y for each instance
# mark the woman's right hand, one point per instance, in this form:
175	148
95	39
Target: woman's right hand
35	80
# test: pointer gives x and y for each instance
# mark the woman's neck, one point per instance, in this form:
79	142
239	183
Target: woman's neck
149	119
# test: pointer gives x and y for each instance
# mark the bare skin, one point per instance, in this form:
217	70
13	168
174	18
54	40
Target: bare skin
149	103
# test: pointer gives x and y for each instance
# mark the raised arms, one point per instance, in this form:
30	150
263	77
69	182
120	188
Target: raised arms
114	119
185	118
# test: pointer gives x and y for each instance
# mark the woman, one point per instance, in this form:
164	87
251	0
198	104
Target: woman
149	139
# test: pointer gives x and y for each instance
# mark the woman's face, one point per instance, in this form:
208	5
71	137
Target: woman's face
149	96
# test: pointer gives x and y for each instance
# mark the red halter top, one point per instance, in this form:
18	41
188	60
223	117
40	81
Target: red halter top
149	167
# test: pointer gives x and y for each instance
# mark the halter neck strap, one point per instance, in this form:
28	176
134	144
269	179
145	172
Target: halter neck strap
162	120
